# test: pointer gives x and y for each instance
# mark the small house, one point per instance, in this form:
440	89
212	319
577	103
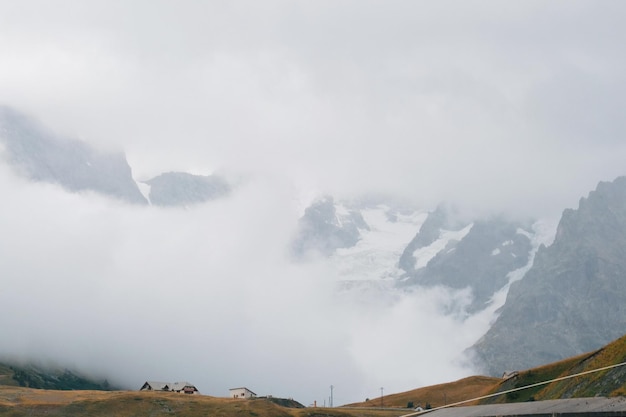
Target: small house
180	387
184	388
242	392
509	374
155	386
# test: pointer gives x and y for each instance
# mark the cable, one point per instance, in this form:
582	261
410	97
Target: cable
516	389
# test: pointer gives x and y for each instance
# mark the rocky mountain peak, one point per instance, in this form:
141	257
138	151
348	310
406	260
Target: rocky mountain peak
572	299
181	188
43	156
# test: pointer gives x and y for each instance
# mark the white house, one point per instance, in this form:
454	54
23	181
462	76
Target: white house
509	374
242	392
182	387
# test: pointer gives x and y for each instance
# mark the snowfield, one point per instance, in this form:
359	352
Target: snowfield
376	255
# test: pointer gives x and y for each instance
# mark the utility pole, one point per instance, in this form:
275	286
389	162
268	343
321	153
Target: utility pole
381	397
331	395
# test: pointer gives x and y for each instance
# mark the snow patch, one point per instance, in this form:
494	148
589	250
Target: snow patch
376	254
425	254
495	252
544	232
341	210
341	213
144	189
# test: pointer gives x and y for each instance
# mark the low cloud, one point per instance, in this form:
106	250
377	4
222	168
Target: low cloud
494	107
207	294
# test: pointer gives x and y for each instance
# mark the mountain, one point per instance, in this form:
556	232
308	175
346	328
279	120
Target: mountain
610	382
482	255
607	383
562	300
42	156
367	240
573	299
371	244
325	227
181	188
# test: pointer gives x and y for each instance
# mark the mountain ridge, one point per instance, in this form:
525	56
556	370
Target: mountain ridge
40	155
468	390
572	299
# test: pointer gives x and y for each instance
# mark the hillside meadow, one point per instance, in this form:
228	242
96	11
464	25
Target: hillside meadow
437	395
18	402
606	383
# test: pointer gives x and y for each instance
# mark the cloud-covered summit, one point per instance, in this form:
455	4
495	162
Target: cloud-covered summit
499	106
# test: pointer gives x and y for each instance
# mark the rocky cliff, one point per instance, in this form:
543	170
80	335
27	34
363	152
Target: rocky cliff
573	299
43	156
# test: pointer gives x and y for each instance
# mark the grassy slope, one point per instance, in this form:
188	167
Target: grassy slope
611	382
18	401
437	395
6	375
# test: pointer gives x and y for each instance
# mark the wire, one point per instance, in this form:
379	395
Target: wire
516	389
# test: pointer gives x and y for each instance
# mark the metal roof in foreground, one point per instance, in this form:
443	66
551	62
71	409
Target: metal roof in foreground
597	406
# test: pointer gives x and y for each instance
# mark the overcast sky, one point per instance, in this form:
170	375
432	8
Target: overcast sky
509	105
496	106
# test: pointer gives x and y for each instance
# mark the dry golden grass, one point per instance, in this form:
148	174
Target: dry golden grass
16	401
438	395
610	382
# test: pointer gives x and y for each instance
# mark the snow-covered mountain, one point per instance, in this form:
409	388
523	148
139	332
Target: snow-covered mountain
40	155
573	298
182	188
43	156
411	247
565	297
481	255
381	242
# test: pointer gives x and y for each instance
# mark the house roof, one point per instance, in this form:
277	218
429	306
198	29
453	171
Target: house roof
233	389
178	386
167	386
156	385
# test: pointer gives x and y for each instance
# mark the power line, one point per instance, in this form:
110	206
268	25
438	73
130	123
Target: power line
517	389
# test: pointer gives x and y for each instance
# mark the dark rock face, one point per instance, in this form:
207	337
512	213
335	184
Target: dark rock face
481	260
573	299
323	230
180	188
428	233
42	156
